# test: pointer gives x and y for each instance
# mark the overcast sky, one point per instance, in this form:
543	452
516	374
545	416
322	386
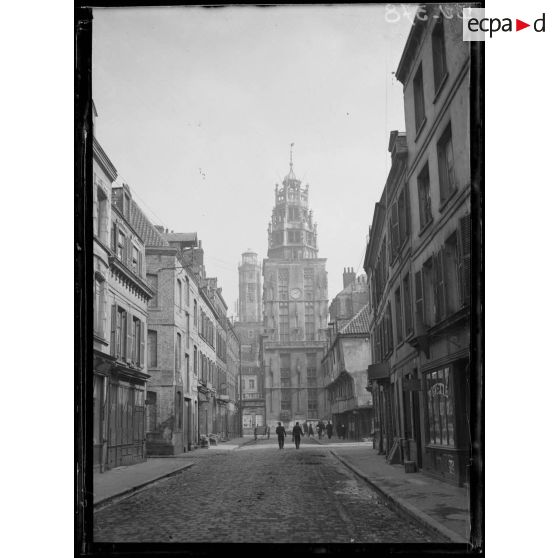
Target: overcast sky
197	109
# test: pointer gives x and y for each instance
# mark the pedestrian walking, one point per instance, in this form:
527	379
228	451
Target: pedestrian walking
320	428
343	430
297	433
329	429
281	433
305	427
310	430
255	433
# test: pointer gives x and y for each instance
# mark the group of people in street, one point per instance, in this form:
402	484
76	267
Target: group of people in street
304	430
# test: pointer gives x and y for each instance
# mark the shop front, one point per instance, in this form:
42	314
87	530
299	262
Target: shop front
118	415
446	403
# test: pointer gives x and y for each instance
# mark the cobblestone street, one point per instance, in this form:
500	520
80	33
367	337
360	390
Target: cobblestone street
258	494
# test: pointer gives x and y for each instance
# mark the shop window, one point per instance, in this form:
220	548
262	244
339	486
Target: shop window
440	404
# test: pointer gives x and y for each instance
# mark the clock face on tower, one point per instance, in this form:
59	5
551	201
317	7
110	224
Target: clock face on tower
295	293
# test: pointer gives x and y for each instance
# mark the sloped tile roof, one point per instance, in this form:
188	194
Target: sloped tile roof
358	324
144	227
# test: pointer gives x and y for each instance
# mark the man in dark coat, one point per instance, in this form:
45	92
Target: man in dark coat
281	433
329	429
297	433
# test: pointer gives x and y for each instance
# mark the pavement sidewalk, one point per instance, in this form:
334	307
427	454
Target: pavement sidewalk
436	504
121	482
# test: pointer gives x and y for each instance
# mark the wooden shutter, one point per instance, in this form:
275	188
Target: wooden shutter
464	246
140	263
113	348
419	301
142	345
129	337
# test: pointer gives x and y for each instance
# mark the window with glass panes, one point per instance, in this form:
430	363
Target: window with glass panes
312	403
439	401
311	369
445	165
425	206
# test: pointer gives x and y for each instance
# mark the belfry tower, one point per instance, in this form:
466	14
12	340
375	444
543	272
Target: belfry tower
295	306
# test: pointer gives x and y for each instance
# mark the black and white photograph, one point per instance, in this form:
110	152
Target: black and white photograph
283	328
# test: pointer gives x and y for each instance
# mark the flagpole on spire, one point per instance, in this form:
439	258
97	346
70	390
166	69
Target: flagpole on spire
292	155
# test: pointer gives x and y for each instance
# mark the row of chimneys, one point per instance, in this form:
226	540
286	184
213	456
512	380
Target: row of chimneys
349	276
